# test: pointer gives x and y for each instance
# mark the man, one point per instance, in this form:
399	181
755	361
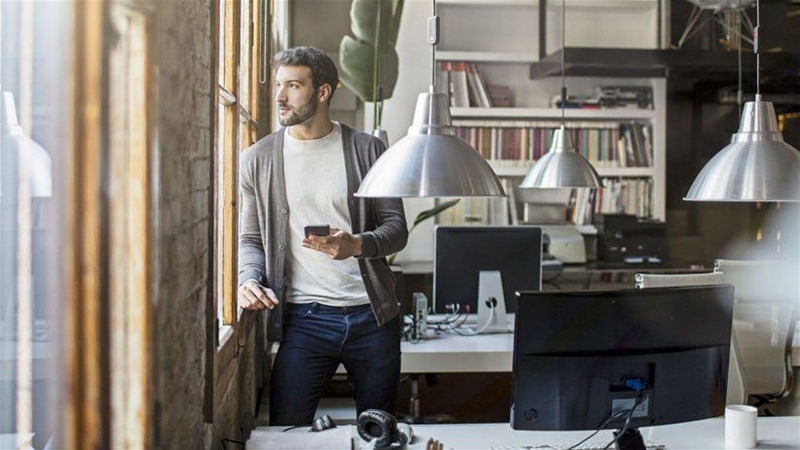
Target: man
331	297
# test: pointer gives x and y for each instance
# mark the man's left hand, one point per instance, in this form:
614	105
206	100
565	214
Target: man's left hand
339	245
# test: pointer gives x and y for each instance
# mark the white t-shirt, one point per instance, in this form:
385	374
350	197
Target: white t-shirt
316	189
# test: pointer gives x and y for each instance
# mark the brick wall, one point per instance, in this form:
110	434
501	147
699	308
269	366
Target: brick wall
183	52
183	34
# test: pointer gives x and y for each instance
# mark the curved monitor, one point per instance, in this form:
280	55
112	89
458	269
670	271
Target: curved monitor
588	360
463	252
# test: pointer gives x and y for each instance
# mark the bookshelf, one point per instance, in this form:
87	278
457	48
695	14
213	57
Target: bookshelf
501	40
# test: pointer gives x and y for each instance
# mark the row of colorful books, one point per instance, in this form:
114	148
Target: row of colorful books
618	196
608	144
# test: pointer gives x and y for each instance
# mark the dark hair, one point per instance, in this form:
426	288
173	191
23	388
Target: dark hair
323	69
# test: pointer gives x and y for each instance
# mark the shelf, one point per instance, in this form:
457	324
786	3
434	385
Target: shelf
494	3
511	169
493	57
570	3
601	62
552	113
626	171
705	65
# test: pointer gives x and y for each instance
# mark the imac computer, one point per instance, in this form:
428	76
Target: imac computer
480	265
620	359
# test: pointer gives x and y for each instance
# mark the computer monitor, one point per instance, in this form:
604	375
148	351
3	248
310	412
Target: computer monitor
583	359
462	252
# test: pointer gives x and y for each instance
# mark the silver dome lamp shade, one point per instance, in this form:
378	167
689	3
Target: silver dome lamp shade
757	166
431	161
562	166
14	146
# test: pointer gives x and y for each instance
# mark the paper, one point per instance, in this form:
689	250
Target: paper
339	438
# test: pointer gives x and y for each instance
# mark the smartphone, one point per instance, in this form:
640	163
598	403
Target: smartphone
317	230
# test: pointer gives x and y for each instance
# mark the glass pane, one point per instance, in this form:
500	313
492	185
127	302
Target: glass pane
221	44
35	44
219	200
244	54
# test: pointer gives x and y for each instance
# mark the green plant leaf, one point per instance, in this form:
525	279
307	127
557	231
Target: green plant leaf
364	20
357	52
428	213
356	60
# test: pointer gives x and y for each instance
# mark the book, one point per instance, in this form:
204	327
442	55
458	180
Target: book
472	87
500	95
480	86
445	83
458	76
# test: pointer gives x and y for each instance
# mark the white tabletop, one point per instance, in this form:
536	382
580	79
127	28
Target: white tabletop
454	353
772	433
449	352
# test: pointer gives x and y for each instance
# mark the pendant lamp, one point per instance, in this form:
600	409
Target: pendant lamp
562	166
757	166
431	161
14	145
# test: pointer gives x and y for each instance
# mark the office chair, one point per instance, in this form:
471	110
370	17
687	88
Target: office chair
767	294
652	280
644	280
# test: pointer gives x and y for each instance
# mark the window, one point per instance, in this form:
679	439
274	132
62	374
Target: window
240	24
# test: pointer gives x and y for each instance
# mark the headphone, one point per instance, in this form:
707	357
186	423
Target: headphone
382	427
323	423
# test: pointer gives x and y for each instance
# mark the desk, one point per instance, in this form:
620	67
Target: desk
447	353
453	353
483	353
773	433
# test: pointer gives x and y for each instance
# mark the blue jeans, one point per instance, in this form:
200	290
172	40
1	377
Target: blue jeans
316	339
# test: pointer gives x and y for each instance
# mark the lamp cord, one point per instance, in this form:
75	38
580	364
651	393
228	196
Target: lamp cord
756	46
433	50
739	51
563	60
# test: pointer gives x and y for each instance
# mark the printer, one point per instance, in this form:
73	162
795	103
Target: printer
565	243
626	238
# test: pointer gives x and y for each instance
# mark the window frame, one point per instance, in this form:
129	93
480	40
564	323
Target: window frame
131	231
237	126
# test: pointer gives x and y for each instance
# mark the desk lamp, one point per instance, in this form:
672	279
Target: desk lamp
757	166
562	166
431	161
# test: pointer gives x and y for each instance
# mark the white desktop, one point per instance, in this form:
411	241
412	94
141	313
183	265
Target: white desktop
772	433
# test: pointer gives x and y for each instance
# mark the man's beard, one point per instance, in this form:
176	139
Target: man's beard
300	114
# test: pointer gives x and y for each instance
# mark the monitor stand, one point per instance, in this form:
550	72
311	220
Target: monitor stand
491	304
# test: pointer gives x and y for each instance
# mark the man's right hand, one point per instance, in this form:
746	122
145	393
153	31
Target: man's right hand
253	296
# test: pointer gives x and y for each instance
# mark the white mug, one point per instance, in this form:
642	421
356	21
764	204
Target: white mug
740	426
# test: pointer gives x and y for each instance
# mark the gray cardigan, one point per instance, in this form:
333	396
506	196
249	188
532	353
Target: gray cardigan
264	223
